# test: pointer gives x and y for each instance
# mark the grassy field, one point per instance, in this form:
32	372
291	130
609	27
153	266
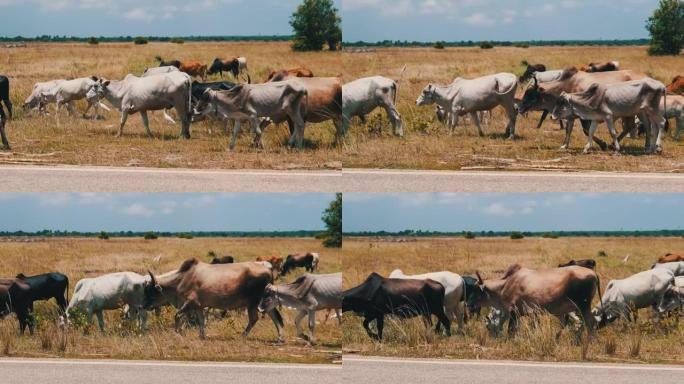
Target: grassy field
74	140
619	342
79	258
428	144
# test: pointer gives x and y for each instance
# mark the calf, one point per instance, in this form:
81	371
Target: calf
285	74
223	260
360	97
279	101
64	93
641	290
468	96
530	70
172	63
41	95
308	260
586	263
607	102
404	298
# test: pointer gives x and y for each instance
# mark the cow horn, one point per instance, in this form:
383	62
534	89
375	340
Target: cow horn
536	84
479	278
154	281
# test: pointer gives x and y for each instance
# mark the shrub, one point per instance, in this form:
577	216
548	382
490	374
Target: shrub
601	253
103	235
93	41
439	45
150	236
177	40
140	40
549	235
469	235
486	45
521	45
185	236
515	235
666	27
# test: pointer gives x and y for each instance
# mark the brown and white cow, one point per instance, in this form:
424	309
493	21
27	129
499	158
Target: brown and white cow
601	67
285	74
235	66
196	286
276	261
671	258
308	260
522	291
195	69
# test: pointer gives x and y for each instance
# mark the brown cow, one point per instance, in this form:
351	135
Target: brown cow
677	85
601	67
285	74
196	285
194	68
276	261
521	291
308	260
235	66
586	263
671	258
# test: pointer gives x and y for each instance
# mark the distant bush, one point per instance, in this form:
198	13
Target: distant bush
150	236
439	45
185	236
103	235
486	45
93	41
515	235
549	235
469	235
601	253
521	45
177	40
139	40
211	254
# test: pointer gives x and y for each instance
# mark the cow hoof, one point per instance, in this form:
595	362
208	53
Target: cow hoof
659	149
564	147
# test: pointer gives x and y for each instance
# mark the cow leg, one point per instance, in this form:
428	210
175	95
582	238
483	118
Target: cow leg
236	132
100	319
366	326
8	103
168	117
680	126
339	130
124	116
278	322
569	124
146	123
658	121
312	325
256	129
85	113
142	313
339	316
476	121
202	321
253	316
512	118
611	128
297	321
513	323
590	136
70	108
395	119
3	136
586	125
458	313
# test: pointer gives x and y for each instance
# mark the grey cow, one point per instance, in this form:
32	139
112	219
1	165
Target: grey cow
308	294
360	97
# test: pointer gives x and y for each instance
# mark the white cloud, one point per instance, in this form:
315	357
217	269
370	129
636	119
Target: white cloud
88	198
138	209
201	201
168	207
498	209
479	19
139	14
54	199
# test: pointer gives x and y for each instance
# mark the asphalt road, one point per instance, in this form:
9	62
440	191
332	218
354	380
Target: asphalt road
106	179
22	371
394	371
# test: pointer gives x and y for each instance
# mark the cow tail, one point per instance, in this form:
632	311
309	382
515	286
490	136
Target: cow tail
188	81
598	286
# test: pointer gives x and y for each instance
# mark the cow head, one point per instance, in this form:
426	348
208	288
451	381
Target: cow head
563	108
494	321
97	90
532	98
269	299
153	293
478	297
672	299
216	66
427	96
203	107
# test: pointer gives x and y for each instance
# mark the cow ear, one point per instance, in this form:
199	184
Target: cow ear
479	278
106	83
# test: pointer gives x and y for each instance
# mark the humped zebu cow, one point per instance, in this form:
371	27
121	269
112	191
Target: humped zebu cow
600	103
159	70
5	98
64	93
284	100
284	74
673	297
15	297
308	260
235	66
198	90
196	286
641	290
377	297
454	291
522	291
530	69
360	97
586	263
46	286
672	107
676	267
165	63
39	96
543	96
108	292
601	67
141	94
469	96
223	260
308	294
671	257
323	103
543	77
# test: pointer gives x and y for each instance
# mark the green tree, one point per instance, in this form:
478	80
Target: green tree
103	235
92	41
439	45
332	217
140	40
666	27
515	235
316	23
150	235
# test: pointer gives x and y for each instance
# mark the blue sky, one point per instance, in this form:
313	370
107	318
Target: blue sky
146	17
162	211
455	20
512	211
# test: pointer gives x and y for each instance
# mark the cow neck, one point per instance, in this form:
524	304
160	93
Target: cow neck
114	93
444	96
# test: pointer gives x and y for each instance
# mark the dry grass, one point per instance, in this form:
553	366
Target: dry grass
79	258
646	341
427	143
89	142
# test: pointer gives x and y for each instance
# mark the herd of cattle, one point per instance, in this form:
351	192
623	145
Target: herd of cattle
566	292
193	289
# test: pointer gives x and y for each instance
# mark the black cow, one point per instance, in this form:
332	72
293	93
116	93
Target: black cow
170	63
15	296
197	88
586	263
530	70
4	98
405	298
52	285
307	260
230	65
223	260
470	284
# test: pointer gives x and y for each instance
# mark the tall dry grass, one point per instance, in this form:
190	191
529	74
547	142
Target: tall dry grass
79	258
647	341
428	144
41	139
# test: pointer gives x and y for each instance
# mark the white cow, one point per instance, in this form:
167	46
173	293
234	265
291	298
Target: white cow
640	290
674	109
676	267
66	92
141	94
111	291
469	96
360	97
39	95
673	298
454	289
158	70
